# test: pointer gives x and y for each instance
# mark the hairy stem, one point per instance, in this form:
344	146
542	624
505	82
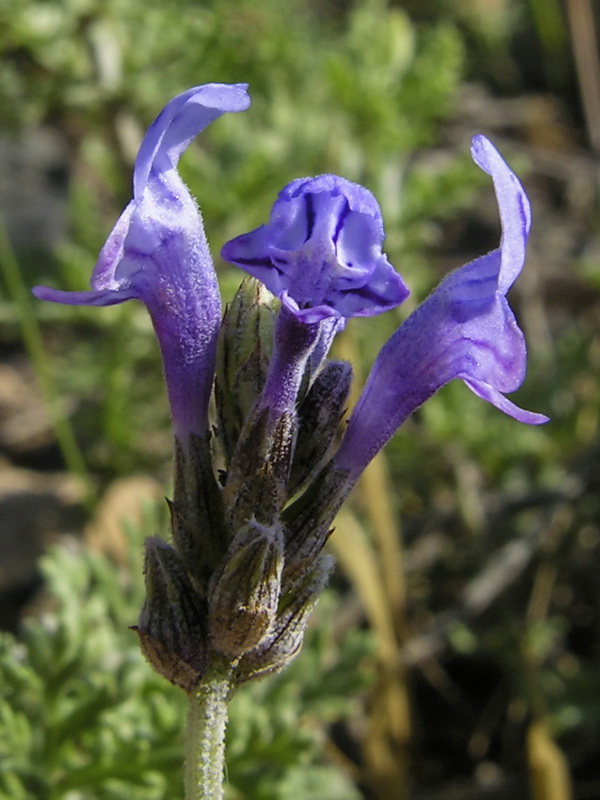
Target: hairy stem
205	737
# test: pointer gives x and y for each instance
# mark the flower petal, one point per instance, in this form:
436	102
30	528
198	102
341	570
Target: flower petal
514	207
320	252
464	329
103	297
180	122
157	252
493	396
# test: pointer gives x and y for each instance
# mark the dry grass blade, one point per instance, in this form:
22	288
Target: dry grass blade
549	771
389	726
587	60
357	558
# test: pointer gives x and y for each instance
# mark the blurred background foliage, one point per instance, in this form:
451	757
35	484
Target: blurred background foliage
457	651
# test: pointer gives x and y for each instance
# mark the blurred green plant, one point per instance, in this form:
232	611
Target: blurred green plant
82	715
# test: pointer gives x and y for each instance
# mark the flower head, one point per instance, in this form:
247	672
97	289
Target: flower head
320	252
464	329
157	253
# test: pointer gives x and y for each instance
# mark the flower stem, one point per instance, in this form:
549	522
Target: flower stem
205	736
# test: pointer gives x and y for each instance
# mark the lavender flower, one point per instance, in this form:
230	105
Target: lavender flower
320	252
157	253
464	329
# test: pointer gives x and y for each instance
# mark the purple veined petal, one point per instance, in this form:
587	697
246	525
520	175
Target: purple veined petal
310	315
321	252
357	249
181	120
157	252
514	207
249	252
440	341
493	396
103	297
465	329
380	292
112	253
359	198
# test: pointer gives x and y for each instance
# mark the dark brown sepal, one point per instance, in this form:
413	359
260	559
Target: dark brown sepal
308	520
319	416
259	472
172	627
197	519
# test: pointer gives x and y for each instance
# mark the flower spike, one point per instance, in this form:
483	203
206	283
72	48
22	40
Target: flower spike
157	253
464	329
320	252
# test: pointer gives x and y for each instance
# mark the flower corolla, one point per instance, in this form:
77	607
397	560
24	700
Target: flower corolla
465	329
320	252
157	253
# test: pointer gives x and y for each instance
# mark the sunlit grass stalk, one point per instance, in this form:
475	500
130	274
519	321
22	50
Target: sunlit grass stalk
549	773
376	500
31	333
376	570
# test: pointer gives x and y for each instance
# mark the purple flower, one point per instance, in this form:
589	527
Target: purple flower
320	252
464	329
157	253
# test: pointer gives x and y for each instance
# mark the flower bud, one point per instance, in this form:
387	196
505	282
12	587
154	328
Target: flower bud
197	519
259	473
308	520
243	352
172	627
285	640
319	416
245	590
